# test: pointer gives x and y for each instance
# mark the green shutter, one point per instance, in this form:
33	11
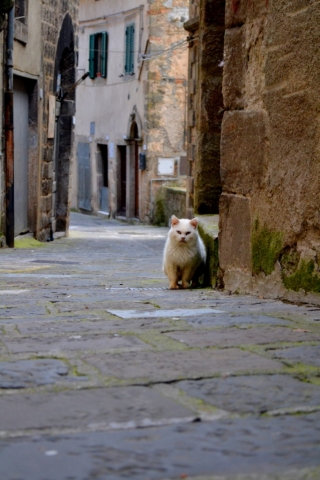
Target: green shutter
92	62
129	61
104	54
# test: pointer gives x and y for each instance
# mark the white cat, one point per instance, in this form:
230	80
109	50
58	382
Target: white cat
184	255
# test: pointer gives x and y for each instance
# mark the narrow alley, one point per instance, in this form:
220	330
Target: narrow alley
107	374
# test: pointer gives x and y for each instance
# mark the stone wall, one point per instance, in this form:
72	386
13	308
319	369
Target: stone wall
53	14
270	149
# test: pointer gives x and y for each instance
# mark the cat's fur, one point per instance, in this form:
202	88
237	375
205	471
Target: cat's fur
184	254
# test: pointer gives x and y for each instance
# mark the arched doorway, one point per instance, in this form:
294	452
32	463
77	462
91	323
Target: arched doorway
64	79
133	141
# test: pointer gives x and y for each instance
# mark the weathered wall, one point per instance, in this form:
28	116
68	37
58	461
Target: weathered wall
192	27
2	178
210	107
270	148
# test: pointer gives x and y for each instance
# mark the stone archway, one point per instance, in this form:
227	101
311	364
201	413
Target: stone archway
64	79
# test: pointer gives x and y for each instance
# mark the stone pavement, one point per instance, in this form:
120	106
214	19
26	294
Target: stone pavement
106	374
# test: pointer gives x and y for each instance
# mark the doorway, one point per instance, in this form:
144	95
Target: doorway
104	182
21	155
122	155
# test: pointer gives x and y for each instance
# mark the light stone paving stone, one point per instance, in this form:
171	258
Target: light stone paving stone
254	393
58	345
97	408
171	365
159	313
249	336
309	355
225	447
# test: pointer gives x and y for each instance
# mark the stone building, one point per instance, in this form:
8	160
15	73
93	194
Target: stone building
131	110
269	230
44	56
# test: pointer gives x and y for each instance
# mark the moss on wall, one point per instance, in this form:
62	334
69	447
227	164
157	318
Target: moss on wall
266	249
169	200
208	229
304	277
159	214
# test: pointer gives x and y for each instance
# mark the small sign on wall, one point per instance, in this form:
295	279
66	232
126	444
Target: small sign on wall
165	166
52	115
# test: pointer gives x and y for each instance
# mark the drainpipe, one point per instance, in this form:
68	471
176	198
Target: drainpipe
8	127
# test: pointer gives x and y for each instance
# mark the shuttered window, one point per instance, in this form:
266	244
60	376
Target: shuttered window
98	55
129	60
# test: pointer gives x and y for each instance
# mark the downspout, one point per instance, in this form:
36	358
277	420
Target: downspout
8	128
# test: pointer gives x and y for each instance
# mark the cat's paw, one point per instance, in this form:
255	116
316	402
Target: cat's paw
174	286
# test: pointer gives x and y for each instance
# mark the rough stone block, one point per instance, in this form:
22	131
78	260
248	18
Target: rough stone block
235	63
235	232
243	151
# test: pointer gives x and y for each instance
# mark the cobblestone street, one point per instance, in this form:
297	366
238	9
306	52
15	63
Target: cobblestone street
107	374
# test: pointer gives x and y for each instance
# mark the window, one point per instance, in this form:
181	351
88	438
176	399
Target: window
20	7
98	55
129	60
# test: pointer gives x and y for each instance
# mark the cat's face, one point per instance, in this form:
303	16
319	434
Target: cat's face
183	230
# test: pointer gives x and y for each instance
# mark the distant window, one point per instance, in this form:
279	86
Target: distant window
129	60
20	10
98	55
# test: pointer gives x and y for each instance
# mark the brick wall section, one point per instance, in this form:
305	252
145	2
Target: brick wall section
166	88
270	157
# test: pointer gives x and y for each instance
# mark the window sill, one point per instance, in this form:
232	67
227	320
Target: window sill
21	32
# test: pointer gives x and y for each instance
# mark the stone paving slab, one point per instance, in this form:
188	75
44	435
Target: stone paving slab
249	336
309	355
172	365
233	320
57	345
96	408
225	447
254	393
60	325
30	373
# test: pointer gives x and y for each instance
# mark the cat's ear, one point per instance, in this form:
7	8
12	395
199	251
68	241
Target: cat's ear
194	222
174	220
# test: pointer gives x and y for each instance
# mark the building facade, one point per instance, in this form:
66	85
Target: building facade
44	47
131	110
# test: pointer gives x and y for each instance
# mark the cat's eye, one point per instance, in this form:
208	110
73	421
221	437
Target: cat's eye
187	233
178	231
